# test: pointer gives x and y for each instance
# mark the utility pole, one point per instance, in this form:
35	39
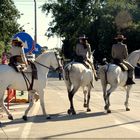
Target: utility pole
35	34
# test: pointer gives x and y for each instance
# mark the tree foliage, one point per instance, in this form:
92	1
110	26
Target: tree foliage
100	20
8	22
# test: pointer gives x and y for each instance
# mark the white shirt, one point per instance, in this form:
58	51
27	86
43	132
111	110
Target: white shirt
15	50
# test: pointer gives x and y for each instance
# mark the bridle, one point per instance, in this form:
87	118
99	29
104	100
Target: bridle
51	68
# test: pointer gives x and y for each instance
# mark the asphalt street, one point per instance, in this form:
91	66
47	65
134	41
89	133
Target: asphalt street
94	124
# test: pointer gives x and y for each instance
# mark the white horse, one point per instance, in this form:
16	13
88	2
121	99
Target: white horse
113	75
11	79
76	75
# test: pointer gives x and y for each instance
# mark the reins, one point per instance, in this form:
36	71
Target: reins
43	65
50	68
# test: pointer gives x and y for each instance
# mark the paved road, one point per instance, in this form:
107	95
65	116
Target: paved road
94	124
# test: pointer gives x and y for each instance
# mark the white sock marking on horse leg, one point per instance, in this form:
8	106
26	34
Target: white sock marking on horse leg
27	128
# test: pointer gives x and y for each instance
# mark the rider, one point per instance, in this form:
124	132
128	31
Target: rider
119	55
17	54
83	53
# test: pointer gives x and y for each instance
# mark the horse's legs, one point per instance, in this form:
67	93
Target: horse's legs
42	103
103	83
104	92
85	95
70	95
127	97
31	102
6	110
112	88
88	98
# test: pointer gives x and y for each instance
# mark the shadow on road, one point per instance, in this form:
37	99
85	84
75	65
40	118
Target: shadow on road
80	115
62	116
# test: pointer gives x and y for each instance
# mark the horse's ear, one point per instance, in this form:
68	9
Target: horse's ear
92	52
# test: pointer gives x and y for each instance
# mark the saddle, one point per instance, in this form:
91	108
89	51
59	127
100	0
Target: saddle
120	64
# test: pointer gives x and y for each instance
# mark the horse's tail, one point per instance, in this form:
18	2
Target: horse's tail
103	76
67	71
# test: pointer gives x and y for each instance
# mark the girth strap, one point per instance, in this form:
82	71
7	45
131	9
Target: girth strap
34	76
29	84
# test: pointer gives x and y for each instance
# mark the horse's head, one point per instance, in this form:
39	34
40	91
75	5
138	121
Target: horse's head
56	63
134	58
54	60
50	60
139	58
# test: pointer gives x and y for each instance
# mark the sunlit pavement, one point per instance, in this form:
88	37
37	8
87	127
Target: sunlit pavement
94	124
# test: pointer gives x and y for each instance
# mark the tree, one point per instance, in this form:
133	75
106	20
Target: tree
100	20
8	20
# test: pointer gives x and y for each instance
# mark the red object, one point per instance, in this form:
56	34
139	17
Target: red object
11	93
4	59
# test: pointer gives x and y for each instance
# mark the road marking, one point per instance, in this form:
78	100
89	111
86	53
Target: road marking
14	113
28	125
128	126
19	106
10	130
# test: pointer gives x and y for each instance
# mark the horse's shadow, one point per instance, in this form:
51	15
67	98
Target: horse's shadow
62	116
80	115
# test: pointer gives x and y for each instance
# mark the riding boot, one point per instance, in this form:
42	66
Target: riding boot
130	81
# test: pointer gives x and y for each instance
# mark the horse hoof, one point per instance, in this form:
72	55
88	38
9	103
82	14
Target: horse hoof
85	105
73	112
48	117
108	111
88	110
24	118
69	111
105	107
127	109
10	117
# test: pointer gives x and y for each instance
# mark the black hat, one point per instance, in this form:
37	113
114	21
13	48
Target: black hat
83	37
17	39
120	37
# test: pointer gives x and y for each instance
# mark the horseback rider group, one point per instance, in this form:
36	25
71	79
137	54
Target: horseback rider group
83	53
119	55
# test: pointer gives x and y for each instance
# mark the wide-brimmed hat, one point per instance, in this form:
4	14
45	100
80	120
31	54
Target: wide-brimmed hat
17	40
83	37
120	37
